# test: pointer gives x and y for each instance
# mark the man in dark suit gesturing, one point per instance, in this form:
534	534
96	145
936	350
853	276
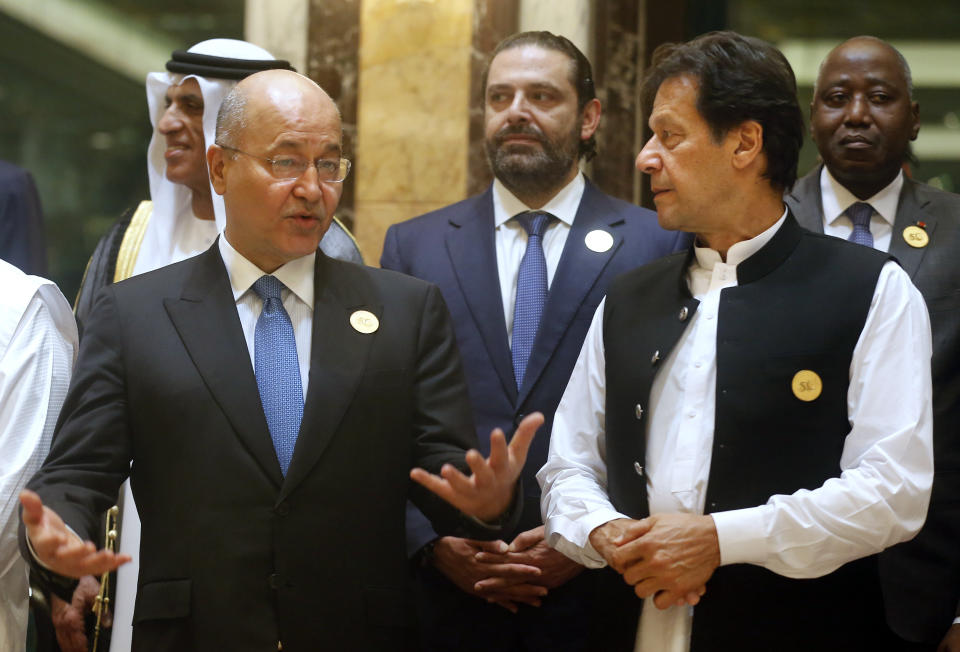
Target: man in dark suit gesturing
522	267
863	118
272	402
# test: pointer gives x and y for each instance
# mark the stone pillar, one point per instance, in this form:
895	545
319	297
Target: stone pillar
413	115
280	27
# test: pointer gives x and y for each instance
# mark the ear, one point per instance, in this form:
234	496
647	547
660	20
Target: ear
215	166
590	119
915	118
748	143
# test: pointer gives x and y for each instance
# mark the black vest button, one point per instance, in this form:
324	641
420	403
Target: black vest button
683	314
655	357
275	581
639	411
638	468
283	509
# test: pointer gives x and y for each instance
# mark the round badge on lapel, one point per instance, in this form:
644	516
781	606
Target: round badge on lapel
916	236
806	385
599	241
364	321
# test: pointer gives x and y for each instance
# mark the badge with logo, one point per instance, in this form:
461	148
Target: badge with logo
599	241
916	235
806	385
364	321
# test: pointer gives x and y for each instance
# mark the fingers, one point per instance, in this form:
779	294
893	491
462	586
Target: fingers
490	548
527	539
523	436
501	575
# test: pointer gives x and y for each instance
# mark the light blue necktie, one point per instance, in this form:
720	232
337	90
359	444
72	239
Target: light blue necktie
860	214
278	370
531	291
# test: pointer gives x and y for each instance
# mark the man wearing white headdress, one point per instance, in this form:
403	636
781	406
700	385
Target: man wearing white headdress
182	220
38	346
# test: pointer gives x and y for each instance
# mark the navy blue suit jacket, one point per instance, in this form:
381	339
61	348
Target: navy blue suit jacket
454	248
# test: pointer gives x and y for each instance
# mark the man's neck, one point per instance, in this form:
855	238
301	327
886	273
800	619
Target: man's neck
202	205
540	198
865	187
748	224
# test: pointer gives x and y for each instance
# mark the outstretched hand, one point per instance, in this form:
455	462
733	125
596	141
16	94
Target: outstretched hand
487	493
58	548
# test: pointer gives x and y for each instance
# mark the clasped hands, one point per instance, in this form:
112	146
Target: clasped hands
521	572
668	556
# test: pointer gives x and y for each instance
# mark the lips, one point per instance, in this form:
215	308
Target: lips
521	135
856	141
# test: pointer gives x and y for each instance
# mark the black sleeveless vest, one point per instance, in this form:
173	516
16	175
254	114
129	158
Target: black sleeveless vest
800	305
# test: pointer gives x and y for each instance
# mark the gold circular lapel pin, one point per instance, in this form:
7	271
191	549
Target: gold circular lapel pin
364	321
599	241
916	235
806	385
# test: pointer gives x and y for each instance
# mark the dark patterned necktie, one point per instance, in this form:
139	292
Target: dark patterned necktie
860	214
531	291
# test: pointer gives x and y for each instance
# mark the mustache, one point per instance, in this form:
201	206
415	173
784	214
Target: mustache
518	130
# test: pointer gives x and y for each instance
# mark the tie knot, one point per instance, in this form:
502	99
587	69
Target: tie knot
534	223
860	213
268	287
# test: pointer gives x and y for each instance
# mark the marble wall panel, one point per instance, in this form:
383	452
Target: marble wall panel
412	122
333	62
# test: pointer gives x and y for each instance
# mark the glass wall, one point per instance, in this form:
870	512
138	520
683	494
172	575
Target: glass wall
75	115
927	32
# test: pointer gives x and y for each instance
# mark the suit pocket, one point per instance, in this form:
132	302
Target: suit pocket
162	600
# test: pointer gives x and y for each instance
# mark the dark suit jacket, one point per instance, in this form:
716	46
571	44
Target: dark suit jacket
454	248
234	556
921	578
21	221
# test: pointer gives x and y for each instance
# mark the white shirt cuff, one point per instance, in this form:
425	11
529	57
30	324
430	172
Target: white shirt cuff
572	536
742	535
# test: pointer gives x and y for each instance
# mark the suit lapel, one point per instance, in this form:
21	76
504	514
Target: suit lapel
473	256
807	205
577	272
205	317
910	210
338	357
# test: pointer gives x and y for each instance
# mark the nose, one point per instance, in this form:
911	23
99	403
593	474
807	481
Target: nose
170	121
858	110
648	160
308	185
519	109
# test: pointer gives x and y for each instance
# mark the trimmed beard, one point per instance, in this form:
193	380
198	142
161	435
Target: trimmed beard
526	171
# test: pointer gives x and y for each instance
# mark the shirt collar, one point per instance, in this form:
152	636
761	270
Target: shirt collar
563	205
296	275
836	199
707	258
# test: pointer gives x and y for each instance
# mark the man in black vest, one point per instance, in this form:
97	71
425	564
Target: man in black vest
863	118
754	413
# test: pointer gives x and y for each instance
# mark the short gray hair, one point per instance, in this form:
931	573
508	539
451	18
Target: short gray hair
231	118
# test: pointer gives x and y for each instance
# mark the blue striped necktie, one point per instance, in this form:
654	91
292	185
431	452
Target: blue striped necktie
278	370
531	291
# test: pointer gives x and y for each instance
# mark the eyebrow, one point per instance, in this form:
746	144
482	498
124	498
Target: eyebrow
533	85
296	144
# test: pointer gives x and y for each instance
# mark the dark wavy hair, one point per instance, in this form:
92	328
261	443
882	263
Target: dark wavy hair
740	78
581	73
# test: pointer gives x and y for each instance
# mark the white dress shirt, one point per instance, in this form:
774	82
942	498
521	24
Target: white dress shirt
511	238
836	199
38	346
297	276
879	499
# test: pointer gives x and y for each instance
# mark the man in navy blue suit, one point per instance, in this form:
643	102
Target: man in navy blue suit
522	268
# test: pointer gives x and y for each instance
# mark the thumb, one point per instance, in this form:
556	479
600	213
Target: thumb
32	507
526	540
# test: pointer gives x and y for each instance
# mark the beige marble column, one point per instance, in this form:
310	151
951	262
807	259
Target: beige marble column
280	26
413	118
